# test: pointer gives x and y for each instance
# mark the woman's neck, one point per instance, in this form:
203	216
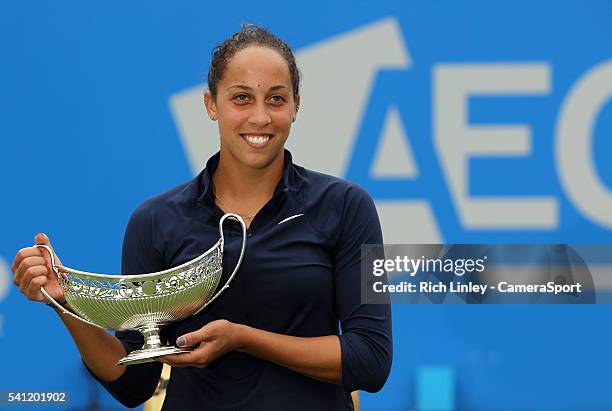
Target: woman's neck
243	188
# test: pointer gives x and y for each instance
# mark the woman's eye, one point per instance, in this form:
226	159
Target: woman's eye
277	99
241	98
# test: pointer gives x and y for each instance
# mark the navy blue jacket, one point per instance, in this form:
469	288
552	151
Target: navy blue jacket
300	277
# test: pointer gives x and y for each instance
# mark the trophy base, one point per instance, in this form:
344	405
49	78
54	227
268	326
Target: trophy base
149	355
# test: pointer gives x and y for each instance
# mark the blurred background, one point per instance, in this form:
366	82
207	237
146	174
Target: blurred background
467	121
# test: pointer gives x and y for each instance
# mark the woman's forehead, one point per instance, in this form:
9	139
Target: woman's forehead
257	67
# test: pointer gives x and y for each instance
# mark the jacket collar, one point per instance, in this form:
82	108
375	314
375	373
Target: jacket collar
291	180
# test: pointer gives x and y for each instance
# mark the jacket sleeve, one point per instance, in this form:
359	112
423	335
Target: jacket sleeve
366	340
137	384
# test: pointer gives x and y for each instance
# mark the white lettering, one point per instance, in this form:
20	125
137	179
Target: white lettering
394	157
377	270
574	146
429	287
457	141
470	288
549	287
402	287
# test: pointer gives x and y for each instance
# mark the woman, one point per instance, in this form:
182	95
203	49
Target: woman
271	341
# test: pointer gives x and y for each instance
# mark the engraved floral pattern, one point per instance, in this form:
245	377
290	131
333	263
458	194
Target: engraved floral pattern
122	287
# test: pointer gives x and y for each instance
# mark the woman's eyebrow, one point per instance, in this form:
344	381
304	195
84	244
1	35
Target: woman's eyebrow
240	86
278	87
245	87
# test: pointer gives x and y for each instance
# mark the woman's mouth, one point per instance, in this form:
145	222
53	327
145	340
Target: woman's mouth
256	140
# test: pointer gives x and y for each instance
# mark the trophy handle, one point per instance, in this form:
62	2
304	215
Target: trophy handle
242	248
51	299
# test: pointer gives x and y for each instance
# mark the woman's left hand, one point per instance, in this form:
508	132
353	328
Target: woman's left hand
215	339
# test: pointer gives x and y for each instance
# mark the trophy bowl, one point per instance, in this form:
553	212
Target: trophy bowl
145	302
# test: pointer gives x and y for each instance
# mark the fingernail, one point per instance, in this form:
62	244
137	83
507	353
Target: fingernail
181	342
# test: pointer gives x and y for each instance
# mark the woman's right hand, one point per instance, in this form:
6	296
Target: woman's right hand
32	269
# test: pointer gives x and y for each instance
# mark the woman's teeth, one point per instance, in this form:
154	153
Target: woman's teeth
258	140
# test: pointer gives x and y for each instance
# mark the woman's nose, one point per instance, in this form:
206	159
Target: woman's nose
260	116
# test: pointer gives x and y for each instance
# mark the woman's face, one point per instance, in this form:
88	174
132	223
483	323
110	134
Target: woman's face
254	106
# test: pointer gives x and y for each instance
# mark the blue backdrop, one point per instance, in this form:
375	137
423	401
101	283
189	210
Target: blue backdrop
467	121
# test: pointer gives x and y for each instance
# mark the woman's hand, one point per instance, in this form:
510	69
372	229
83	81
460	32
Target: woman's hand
314	357
215	339
32	270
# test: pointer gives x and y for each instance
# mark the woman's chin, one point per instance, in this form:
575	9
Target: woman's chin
259	161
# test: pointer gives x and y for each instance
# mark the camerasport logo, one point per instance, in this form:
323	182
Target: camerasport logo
351	125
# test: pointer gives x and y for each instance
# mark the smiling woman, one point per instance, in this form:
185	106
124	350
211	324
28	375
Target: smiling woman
254	94
291	331
255	105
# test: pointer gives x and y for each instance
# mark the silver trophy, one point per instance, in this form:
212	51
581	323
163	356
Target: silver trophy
145	302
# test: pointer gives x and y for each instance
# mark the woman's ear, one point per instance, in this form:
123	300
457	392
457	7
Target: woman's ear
211	107
297	107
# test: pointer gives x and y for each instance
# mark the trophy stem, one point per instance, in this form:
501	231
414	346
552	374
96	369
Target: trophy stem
152	348
151	335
